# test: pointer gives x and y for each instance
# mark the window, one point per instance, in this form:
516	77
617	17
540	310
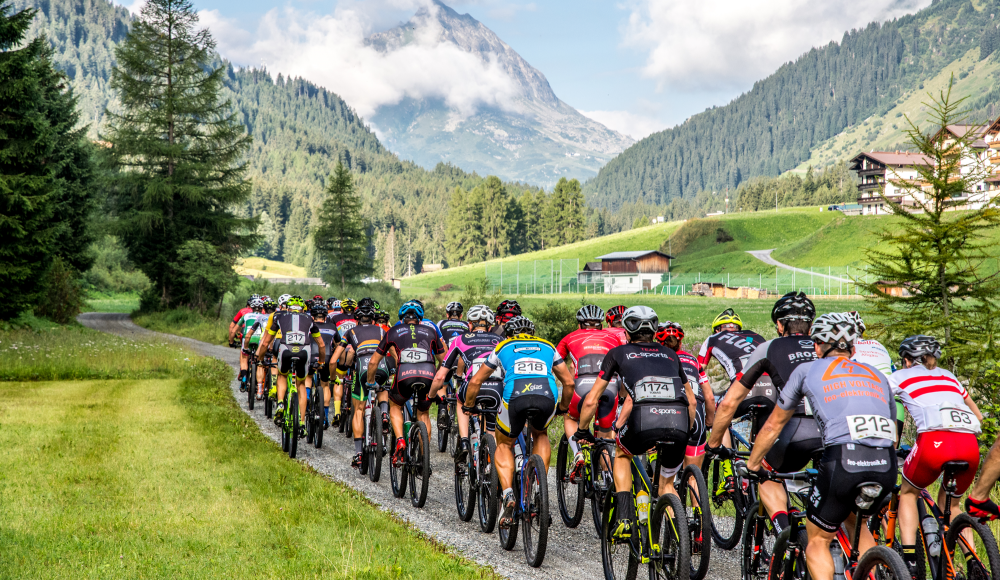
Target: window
629	280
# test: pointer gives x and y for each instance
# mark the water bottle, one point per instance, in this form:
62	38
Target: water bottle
838	559
642	506
518	458
931	535
474	440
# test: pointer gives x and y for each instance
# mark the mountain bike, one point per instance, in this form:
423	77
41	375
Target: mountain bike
314	410
415	469
660	539
729	496
252	378
531	506
969	549
593	483
447	422
289	421
472	472
376	440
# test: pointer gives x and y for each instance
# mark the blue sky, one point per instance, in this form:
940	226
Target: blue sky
635	65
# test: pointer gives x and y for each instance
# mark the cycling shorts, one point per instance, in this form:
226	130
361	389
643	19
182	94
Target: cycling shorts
798	443
651	424
296	363
932	449
606	406
413	380
359	376
514	414
489	397
698	436
842	469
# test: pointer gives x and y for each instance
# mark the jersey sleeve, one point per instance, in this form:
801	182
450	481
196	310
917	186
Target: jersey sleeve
493	361
610	367
704	353
680	368
757	365
239	315
557	359
314	331
437	345
451	360
793	391
383	345
563	347
273	328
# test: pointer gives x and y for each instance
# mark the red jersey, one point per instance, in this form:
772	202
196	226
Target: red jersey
240	314
619	334
586	347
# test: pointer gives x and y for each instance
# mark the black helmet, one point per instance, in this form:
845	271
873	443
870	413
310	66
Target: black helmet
917	346
319	310
518	325
454	307
367	303
793	306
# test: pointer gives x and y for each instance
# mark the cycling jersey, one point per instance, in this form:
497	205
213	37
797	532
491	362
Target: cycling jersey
344	322
452	328
364	340
618	334
252	324
428	323
852	402
586	348
331	337
416	345
769	367
872	352
694	374
526	363
298	333
935	399
473	348
244	310
731	349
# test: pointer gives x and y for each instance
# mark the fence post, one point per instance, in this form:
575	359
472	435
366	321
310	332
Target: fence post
518	277
501	274
534	275
552	274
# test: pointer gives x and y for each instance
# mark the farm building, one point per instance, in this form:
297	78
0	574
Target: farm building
630	272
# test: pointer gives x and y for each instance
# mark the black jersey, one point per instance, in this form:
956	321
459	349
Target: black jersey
331	337
649	371
731	349
297	329
696	377
344	322
363	339
415	343
452	328
777	358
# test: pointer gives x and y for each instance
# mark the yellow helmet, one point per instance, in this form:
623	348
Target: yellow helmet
728	316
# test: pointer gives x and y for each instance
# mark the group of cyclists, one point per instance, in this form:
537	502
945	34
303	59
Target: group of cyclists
819	394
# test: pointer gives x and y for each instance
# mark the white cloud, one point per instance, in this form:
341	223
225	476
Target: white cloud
626	123
135	7
329	50
726	43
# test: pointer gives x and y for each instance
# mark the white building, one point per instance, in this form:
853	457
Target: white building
631	272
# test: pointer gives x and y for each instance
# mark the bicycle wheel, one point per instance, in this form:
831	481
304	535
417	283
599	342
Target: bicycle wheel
465	487
345	409
251	385
293	437
489	484
284	434
453	431
419	460
310	425
601	482
976	560
443	429
508	536
671	533
536	515
268	403
876	525
786	564
569	495
318	416
726	505
883	563
757	545
619	558
374	446
694	495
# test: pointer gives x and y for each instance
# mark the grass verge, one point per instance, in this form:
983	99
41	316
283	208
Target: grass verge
168	479
187	322
112	302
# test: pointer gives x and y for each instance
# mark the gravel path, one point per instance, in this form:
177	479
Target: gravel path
573	554
765	256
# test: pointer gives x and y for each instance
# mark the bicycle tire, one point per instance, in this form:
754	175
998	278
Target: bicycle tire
601	482
293	437
284	435
721	505
465	487
442	434
346	411
374	446
508	536
975	568
888	563
876	525
489	484
418	453
674	538
782	568
453	430
251	385
618	559
693	493
564	465
318	412
535	535
755	554
310	425
268	402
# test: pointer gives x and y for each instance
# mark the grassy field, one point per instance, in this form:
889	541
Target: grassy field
98	302
264	268
186	322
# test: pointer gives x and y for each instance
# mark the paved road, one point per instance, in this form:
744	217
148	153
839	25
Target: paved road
765	256
573	554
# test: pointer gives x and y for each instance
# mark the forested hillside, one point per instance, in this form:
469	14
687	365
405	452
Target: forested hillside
774	126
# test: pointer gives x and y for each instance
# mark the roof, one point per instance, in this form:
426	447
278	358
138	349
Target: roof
969	131
896	157
592	267
630	255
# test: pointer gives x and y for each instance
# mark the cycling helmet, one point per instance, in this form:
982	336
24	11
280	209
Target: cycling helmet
639	318
317	298
410	308
917	346
481	312
309	303
454	307
265	297
365	311
836	329
330	301
793	306
589	313
858	323
252	298
518	325
668	329
348	305
256	304
270	305
381	316
367	303
296	304
614	313
319	310
508	309
283	299
336	305
728	316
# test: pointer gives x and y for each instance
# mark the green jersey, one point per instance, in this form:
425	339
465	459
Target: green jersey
247	322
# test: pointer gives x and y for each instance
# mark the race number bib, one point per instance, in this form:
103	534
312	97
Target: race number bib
959	418
414	356
530	366
871	426
654	388
295	338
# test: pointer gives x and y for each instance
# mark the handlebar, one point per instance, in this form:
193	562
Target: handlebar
806	475
480	411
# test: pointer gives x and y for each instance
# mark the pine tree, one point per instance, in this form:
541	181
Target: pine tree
178	150
532	206
551	220
495	221
572	214
342	233
463	236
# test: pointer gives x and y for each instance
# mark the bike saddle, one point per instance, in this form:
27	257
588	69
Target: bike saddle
955	466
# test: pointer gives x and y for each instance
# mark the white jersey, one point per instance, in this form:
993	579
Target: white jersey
935	399
872	353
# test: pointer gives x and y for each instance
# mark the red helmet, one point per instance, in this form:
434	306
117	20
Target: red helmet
614	313
668	329
506	310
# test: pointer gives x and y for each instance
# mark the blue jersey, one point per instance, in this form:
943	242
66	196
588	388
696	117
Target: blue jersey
526	363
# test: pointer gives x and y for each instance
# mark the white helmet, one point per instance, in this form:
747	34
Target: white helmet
283	299
640	318
481	312
858	323
836	329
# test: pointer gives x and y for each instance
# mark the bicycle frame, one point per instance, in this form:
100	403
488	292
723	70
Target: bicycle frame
641	482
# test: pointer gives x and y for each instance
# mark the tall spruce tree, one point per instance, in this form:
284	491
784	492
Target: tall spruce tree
178	153
463	236
551	219
572	212
341	235
496	223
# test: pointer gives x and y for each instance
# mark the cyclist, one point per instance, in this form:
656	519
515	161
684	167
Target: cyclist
947	422
874	353
294	353
530	366
331	337
756	387
357	347
657	413
344	322
245	322
505	311
382	319
234	325
418	348
671	335
584	350
467	353
855	413
614	320
453	325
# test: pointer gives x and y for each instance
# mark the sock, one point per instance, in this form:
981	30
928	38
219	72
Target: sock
780	521
384	406
358	444
574	446
910	555
506	491
623	504
243	374
336	407
326	412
